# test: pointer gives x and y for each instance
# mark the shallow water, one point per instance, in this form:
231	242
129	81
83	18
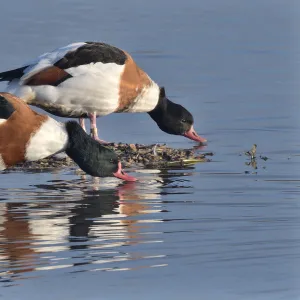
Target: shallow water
219	230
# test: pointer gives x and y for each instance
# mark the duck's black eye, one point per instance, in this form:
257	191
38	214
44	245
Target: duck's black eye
183	120
112	160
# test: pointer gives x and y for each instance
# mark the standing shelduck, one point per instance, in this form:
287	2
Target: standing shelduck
92	79
28	136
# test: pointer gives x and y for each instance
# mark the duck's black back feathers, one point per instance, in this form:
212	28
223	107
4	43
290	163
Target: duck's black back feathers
92	52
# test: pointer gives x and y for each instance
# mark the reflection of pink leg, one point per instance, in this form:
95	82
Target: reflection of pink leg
94	131
82	124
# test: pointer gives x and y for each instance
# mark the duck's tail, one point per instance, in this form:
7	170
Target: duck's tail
12	74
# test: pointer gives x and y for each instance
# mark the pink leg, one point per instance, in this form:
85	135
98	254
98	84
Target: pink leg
94	131
82	123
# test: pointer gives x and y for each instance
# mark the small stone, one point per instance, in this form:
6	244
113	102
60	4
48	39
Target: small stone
132	147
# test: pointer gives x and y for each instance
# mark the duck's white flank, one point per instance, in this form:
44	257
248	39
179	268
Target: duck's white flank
2	164
49	139
94	87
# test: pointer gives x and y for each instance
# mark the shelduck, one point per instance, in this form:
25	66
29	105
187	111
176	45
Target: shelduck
28	136
93	79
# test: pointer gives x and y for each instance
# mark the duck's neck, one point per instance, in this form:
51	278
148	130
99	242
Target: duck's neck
79	143
84	150
158	112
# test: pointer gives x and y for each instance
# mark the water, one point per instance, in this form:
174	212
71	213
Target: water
218	230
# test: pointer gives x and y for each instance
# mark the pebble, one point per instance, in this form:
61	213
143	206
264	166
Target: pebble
132	147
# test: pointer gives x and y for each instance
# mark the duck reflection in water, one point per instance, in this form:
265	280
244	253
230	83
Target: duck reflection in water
74	215
16	254
107	217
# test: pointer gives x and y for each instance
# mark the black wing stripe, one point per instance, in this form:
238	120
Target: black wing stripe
92	52
12	74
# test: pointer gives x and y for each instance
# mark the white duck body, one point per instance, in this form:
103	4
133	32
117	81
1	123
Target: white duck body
85	78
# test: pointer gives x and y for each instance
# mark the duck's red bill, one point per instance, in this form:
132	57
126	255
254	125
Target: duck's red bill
122	175
191	134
